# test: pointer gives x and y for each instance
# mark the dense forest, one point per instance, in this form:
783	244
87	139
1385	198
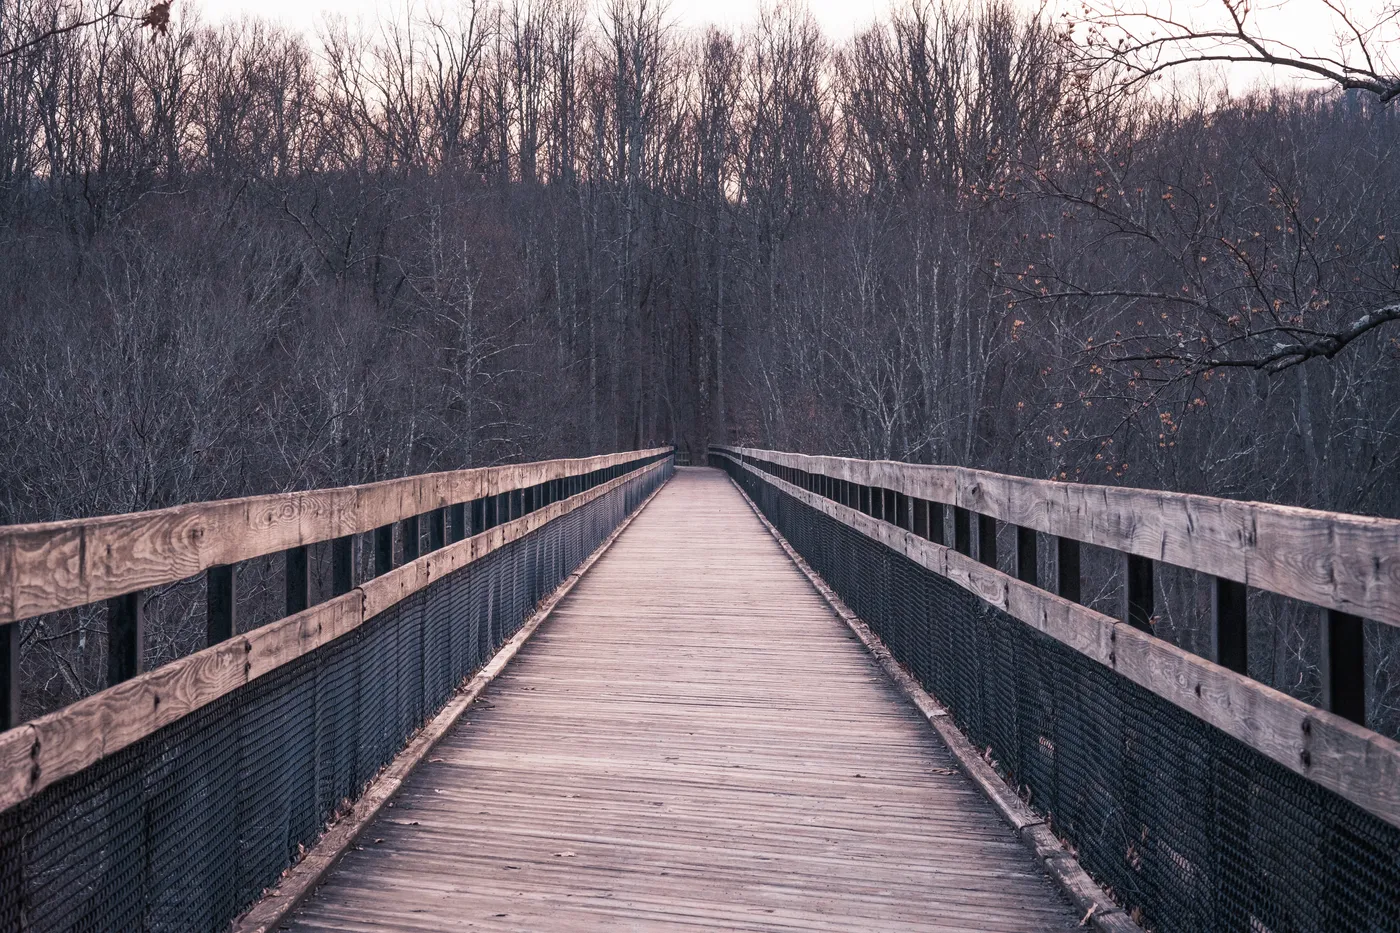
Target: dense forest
240	259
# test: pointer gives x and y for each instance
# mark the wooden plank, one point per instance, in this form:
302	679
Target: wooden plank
126	636
693	740
64	742
297	571
220	603
1344	666
1089	898
1350	563
9	677
342	565
1229	608
60	565
301	879
1350	760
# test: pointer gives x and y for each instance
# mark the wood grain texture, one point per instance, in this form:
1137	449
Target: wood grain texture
47	749
1346	562
1089	899
301	879
59	565
694	741
1354	762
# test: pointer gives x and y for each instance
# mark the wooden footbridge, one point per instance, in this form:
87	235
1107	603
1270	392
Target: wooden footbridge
778	692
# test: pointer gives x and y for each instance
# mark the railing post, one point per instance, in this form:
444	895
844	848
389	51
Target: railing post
9	676
342	565
1344	666
126	630
437	529
936	531
986	540
409	532
220	603
1137	592
920	517
962	530
298	572
1027	556
383	550
1229	624
1067	578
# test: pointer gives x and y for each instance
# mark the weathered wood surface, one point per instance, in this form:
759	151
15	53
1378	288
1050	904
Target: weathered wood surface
37	753
1346	562
59	565
693	741
1353	761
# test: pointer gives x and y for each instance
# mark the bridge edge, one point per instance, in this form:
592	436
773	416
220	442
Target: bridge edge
301	880
1101	912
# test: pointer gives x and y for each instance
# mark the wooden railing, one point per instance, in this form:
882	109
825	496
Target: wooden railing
1348	565
55	566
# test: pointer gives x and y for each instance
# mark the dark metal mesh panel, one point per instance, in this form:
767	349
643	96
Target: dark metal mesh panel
1179	821
183	830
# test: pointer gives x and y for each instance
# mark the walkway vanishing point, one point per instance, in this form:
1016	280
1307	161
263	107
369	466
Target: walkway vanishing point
783	692
692	741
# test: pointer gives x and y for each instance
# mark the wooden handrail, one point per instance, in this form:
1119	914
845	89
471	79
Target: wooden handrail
37	753
61	565
1348	759
1348	563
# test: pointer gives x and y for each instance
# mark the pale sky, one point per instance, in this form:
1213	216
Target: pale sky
1307	25
839	18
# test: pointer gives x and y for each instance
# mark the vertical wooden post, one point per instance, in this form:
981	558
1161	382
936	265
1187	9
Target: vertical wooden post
1027	556
1137	592
962	530
987	540
126	630
1344	666
437	528
9	676
409	532
458	515
1229	628
220	603
937	533
298	567
383	550
342	565
920	517
1067	579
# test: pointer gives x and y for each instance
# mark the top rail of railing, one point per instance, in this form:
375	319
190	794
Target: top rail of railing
1348	563
60	565
1343	561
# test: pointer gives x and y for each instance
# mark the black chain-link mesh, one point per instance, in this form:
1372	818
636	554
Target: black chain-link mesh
1187	827
184	829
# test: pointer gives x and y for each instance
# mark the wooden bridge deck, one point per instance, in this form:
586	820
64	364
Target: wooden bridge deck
693	740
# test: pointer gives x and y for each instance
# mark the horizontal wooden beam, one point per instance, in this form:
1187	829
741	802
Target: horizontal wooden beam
61	565
1349	563
44	750
1347	759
